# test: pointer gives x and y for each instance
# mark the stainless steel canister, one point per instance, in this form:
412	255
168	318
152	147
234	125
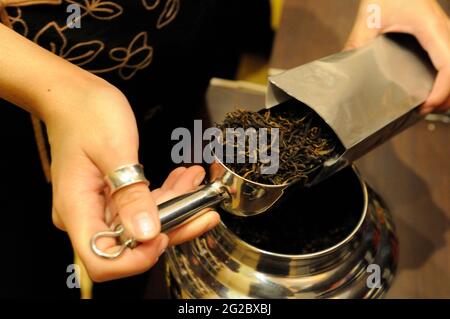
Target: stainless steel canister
220	264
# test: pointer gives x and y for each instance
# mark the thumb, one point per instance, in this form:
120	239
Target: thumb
362	33
137	211
133	204
116	145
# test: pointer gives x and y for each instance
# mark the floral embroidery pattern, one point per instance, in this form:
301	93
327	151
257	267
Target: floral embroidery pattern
169	13
53	39
9	3
99	9
150	4
18	23
127	60
137	56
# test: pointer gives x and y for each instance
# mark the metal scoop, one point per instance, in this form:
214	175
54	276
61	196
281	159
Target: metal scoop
235	194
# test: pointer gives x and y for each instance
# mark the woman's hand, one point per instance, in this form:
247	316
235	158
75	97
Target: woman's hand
85	146
424	19
92	131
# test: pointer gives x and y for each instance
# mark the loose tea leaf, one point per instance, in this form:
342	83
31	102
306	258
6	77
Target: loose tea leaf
305	143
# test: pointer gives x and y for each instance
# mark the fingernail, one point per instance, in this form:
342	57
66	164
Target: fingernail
163	245
144	225
199	179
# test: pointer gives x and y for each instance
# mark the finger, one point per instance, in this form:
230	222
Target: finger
131	262
444	107
57	220
180	182
440	93
173	177
194	228
435	39
188	180
138	212
361	33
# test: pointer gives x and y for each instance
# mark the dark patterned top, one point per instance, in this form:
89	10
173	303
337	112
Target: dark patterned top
158	52
123	40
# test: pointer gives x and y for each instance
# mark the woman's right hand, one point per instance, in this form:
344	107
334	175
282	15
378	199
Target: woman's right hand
92	131
88	143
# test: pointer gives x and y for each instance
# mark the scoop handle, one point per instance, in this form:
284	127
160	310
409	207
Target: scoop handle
173	213
181	209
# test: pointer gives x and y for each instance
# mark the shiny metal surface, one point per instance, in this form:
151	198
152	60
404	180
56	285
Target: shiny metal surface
246	198
117	232
221	265
124	176
180	210
235	194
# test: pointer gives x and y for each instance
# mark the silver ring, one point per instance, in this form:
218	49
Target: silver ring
124	176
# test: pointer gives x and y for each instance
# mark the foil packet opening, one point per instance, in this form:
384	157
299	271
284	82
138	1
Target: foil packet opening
366	95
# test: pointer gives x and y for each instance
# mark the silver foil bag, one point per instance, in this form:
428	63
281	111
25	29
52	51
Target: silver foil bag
365	95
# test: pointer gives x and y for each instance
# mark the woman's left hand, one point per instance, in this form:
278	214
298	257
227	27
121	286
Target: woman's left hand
424	19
